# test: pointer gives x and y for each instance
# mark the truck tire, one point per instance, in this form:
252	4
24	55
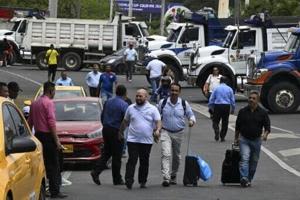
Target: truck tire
284	97
12	58
41	60
71	61
264	100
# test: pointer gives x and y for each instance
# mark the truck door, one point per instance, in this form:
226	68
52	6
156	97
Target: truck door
240	50
131	34
298	53
20	32
188	41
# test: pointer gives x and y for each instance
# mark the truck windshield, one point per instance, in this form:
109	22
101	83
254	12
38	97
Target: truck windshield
144	31
293	43
228	39
173	35
16	25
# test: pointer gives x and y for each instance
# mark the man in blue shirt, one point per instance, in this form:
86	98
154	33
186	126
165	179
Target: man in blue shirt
111	118
106	83
92	80
173	114
220	101
64	80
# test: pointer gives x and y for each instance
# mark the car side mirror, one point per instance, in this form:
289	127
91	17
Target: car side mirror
22	144
27	102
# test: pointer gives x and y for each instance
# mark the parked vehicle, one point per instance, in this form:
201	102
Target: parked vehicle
242	41
21	159
116	61
79	128
277	76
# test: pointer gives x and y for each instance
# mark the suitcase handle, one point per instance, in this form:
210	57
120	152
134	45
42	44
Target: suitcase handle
235	147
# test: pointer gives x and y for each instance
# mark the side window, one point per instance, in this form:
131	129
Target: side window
247	39
22	28
9	128
132	29
18	121
191	34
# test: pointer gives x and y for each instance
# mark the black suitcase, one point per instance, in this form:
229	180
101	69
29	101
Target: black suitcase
230	166
191	168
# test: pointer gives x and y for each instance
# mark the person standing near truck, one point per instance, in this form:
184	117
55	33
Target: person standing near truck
130	56
52	60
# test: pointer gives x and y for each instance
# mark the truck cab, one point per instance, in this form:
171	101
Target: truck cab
277	76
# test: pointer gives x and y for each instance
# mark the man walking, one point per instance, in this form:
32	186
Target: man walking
52	60
144	124
220	101
213	81
13	90
92	80
173	111
3	90
106	82
111	117
64	80
250	122
42	118
155	68
130	56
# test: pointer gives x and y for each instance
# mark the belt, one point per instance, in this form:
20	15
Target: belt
173	131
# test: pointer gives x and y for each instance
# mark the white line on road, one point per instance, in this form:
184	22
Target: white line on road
204	110
20	76
290	152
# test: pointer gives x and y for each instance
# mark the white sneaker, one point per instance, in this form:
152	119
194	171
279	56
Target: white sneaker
65	182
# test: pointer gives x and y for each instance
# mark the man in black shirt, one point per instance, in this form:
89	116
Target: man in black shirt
249	133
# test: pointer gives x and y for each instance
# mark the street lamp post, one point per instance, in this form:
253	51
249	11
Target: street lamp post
162	21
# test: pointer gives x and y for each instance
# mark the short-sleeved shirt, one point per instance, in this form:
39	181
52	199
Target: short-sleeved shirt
155	67
92	79
107	81
52	54
141	122
213	81
67	82
130	54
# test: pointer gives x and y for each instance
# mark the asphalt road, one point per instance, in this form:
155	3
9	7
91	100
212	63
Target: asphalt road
277	177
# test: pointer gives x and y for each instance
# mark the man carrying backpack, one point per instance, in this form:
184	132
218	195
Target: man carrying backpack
173	112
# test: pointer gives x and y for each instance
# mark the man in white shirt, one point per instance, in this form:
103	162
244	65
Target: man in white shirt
64	80
155	68
130	56
212	82
92	80
144	126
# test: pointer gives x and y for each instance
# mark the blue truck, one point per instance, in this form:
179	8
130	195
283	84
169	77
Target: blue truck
277	76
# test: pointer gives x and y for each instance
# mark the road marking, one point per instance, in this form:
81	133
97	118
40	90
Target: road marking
20	76
290	152
204	111
282	135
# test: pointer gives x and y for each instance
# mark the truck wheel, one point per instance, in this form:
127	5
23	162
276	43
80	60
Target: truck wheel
12	58
71	61
41	60
264	100
284	98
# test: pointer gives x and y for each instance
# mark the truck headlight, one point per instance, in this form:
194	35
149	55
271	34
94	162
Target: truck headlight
95	134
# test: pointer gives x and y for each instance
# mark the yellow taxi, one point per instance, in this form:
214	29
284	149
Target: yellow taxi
22	168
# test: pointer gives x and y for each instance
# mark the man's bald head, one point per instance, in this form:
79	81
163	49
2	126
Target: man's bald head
141	96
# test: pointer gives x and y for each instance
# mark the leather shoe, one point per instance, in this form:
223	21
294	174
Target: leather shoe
222	139
166	183
58	196
95	177
143	185
121	182
128	185
216	137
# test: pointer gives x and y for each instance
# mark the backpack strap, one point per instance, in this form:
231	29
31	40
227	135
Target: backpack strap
183	103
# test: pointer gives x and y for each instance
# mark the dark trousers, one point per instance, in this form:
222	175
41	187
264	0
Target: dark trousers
52	72
135	151
93	92
221	111
113	147
51	161
129	69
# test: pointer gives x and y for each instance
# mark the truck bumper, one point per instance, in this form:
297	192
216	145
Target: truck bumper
250	87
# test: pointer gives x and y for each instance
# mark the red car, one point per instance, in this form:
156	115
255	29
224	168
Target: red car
79	128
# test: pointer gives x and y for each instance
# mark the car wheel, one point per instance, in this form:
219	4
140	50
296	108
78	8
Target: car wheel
42	195
284	98
41	60
9	197
71	61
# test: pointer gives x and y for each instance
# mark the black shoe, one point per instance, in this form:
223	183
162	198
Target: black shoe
128	185
245	183
216	137
143	185
222	139
58	196
121	182
165	183
95	178
173	180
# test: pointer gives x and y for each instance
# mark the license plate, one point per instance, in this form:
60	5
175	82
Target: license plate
68	148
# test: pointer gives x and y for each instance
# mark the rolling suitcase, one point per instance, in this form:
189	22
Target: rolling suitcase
191	168
230	166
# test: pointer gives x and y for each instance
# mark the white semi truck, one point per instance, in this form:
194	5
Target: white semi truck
79	41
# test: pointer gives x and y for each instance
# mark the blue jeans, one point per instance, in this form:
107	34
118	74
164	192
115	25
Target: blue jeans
154	86
249	151
105	95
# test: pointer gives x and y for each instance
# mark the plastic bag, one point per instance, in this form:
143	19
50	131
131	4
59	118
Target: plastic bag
205	170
